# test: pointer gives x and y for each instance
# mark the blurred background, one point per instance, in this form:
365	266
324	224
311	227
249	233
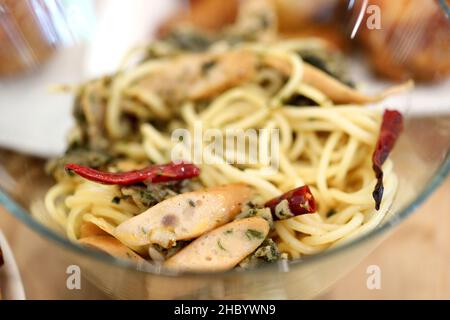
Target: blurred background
46	42
64	41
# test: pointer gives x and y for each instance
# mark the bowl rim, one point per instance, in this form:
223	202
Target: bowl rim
15	209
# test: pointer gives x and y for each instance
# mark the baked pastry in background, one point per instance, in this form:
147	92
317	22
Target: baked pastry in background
413	42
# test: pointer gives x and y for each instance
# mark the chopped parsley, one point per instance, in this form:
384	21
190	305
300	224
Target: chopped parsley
282	210
116	200
207	66
251	209
70	172
189	40
299	100
191	203
219	244
146	196
229	231
254	234
251	205
267	252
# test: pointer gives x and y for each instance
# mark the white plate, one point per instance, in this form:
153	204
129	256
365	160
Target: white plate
10	282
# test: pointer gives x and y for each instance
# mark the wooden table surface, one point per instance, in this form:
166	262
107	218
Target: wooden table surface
414	261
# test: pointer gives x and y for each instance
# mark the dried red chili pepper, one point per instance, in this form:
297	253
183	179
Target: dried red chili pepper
155	174
300	201
391	126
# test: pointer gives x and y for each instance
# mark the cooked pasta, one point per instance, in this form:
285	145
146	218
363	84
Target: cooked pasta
127	121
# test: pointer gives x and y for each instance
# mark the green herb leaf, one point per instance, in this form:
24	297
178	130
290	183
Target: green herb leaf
219	244
116	200
191	203
70	172
208	65
254	234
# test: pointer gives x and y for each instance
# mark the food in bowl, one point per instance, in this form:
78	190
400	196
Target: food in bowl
144	177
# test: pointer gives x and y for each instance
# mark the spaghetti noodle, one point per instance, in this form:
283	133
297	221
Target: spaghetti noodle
131	116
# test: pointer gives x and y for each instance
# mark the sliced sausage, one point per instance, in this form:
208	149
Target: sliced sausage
185	216
222	248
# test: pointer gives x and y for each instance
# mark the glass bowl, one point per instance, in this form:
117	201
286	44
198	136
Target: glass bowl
421	158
